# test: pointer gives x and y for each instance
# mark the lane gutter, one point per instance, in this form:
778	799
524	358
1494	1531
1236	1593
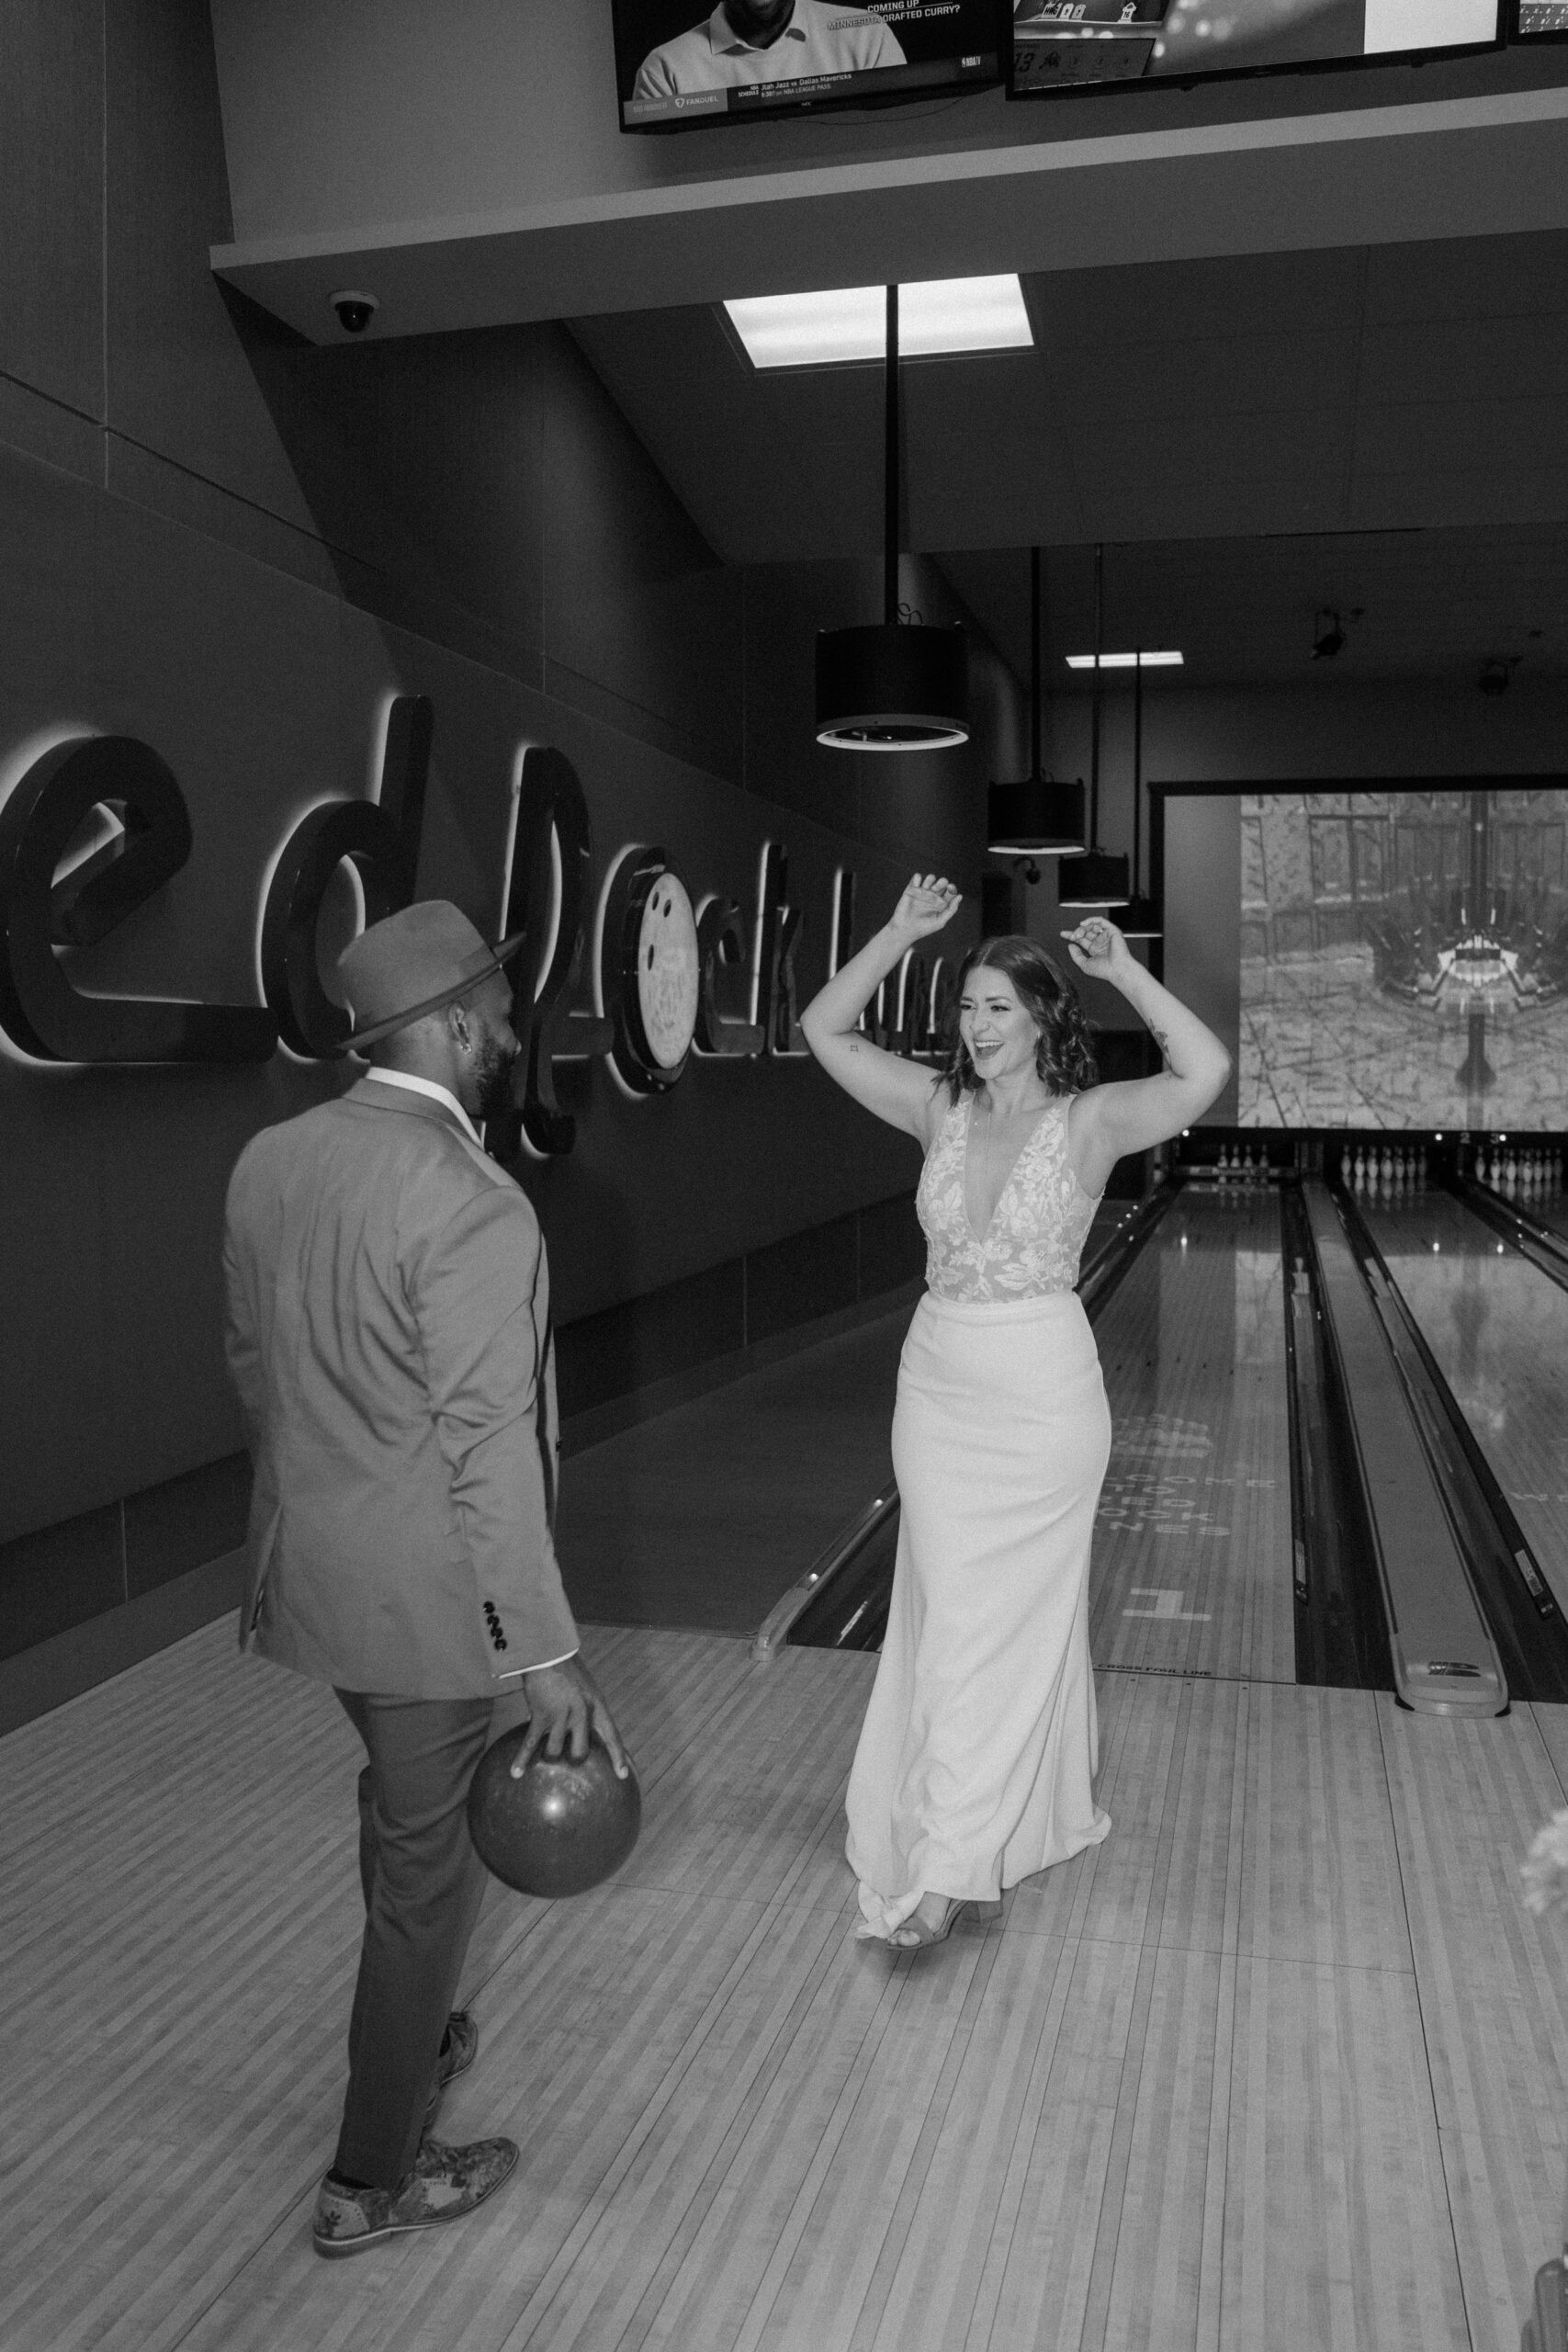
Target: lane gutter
1520	1610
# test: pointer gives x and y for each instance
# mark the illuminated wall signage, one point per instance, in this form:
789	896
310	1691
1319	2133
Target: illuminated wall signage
97	824
143	816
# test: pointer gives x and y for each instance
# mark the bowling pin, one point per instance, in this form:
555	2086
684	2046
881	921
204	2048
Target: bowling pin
1361	1170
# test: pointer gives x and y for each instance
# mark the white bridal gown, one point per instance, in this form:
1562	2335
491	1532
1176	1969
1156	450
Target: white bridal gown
976	1759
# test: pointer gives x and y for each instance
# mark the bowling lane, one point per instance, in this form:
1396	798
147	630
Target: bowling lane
1192	1561
1499	1329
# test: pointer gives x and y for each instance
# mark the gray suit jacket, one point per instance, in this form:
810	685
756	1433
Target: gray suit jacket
388	1334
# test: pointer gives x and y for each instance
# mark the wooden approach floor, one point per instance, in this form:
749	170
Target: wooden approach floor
1279	2065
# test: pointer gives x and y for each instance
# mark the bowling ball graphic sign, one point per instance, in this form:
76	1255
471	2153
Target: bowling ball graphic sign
650	970
1058	44
667	971
559	1827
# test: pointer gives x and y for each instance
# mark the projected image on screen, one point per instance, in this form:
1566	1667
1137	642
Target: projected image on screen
1058	43
1404	960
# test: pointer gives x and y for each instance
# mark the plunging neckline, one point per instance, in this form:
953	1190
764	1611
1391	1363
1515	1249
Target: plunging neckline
1007	1181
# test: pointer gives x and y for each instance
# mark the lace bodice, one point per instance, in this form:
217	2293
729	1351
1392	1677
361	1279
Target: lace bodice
1037	1230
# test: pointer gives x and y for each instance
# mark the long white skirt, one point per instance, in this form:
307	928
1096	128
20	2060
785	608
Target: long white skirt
976	1759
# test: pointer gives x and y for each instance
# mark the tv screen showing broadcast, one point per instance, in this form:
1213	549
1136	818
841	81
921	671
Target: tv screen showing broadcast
677	66
1541	20
1067	44
1399	959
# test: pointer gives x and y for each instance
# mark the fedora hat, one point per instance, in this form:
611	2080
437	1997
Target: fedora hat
413	963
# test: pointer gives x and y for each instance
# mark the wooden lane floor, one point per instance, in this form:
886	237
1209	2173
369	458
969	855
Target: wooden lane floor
1498	1328
1192	1559
1277	2067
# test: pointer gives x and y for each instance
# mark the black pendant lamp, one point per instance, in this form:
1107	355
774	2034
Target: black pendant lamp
1140	919
896	687
1099	880
1038	818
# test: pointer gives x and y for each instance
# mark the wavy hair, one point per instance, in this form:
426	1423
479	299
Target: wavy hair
1063	1054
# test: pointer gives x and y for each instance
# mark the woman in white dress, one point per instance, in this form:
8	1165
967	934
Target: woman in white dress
976	1759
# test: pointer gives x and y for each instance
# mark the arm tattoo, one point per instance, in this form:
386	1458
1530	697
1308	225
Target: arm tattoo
1163	1041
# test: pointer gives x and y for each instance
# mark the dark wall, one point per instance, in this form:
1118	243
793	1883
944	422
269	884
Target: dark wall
239	548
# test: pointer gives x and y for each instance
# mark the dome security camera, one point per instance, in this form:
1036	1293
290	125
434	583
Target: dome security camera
354	311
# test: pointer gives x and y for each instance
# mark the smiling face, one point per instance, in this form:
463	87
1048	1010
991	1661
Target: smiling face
998	1031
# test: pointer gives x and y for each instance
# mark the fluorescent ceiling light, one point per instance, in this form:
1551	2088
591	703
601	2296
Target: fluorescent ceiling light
1127	660
941	314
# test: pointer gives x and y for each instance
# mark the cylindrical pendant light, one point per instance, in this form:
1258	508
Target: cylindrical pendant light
894	686
1100	878
1038	818
1140	919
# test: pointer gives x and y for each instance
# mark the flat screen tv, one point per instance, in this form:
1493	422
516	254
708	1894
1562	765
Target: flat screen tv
1078	44
678	65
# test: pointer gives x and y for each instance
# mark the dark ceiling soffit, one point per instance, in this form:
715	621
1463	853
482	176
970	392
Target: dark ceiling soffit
1484	164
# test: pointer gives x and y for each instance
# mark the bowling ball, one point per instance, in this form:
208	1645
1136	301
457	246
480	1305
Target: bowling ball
559	1828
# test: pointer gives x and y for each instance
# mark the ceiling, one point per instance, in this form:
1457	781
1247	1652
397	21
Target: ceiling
1380	428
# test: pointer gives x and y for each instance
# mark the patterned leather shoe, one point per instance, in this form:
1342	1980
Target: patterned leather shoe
444	2184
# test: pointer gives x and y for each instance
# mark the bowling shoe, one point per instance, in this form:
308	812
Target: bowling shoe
444	2184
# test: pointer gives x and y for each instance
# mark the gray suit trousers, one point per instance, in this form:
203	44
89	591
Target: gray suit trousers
424	1884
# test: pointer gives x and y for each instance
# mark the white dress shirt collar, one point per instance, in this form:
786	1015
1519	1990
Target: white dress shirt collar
436	1093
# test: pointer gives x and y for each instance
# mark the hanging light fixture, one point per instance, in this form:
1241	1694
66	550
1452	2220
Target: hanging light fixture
1140	919
1099	879
1038	818
894	686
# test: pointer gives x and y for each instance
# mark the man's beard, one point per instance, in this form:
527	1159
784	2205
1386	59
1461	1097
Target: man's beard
492	1074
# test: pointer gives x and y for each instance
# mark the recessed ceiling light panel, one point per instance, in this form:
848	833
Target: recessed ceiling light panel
1170	660
939	315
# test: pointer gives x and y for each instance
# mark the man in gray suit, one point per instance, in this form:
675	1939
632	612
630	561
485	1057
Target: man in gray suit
388	1334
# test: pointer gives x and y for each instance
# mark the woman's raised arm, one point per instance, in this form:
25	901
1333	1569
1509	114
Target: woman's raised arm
881	1082
1111	1121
